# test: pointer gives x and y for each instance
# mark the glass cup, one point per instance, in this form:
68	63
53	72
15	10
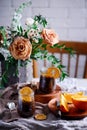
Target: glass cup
26	104
47	83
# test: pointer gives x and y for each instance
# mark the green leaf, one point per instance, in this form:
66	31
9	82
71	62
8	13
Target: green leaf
44	46
3	33
63	75
41	20
61	66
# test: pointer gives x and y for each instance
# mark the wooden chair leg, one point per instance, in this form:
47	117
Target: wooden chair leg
35	69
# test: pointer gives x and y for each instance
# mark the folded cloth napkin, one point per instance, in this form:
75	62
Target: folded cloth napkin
8	115
10	95
5	113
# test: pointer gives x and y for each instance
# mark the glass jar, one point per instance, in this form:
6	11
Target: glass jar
26	103
47	82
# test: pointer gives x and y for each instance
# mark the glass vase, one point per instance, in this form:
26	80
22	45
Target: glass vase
9	74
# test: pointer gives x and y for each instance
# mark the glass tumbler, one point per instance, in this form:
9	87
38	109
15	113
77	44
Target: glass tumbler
26	103
47	83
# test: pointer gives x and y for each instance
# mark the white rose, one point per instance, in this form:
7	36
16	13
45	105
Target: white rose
29	21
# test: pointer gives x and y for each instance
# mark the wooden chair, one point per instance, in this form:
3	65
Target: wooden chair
81	53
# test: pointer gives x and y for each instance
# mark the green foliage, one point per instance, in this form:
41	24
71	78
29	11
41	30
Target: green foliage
10	69
3	33
41	20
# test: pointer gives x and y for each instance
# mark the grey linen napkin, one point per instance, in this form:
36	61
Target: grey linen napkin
6	114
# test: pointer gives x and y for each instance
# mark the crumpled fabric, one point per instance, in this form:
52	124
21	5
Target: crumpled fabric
6	114
52	123
10	120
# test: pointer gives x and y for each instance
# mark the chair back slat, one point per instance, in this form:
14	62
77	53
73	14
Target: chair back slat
85	70
69	64
61	58
76	66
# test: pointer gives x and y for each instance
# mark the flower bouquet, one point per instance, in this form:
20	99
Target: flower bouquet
21	45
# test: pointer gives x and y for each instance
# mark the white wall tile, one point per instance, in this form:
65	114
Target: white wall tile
62	15
27	12
62	33
17	3
59	23
67	3
40	3
76	34
86	3
5	3
77	13
85	34
5	21
51	12
35	3
5	11
76	23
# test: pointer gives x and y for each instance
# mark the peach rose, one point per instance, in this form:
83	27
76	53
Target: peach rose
20	48
50	36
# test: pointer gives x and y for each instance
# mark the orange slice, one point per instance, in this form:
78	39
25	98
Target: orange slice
26	90
25	94
68	96
80	102
63	104
40	116
53	72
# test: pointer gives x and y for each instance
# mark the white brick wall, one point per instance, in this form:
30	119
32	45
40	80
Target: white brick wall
67	17
67	3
